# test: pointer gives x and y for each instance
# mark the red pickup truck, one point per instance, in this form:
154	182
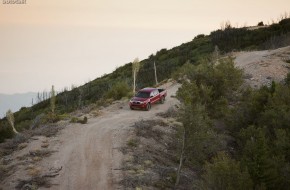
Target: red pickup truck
146	97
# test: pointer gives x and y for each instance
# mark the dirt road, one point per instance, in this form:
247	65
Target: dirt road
89	155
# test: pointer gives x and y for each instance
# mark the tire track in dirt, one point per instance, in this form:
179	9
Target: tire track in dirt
89	153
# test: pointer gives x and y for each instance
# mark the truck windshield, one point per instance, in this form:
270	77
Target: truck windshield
143	94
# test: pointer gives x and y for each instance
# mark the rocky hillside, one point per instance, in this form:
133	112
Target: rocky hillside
263	67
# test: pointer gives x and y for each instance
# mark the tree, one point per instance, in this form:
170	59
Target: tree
216	54
199	139
80	98
38	97
11	120
135	70
261	23
155	72
118	90
256	154
224	173
52	100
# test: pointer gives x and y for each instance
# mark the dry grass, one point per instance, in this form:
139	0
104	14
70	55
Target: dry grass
44	145
36	159
96	113
3	170
145	128
37	180
172	112
34	171
40	153
48	130
9	165
11	145
36	155
151	162
22	146
33	183
132	142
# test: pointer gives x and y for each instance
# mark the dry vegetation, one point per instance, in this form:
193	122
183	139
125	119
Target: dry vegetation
17	156
151	154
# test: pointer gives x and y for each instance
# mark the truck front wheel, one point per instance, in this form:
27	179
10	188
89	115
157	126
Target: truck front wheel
162	99
148	106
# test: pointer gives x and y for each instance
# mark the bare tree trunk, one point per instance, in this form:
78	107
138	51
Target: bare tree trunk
80	99
134	82
13	128
180	160
135	69
11	120
155	73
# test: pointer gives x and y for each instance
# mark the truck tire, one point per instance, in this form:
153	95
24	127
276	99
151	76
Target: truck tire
162	99
148	106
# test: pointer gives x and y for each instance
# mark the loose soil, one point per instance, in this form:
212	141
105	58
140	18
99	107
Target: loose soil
263	67
87	156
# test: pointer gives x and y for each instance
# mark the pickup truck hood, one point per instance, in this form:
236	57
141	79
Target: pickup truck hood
136	99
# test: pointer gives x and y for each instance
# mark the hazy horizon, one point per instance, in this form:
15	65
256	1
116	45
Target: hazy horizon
45	43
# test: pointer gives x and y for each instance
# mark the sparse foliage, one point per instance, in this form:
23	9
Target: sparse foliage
135	70
224	173
118	90
52	100
261	23
11	120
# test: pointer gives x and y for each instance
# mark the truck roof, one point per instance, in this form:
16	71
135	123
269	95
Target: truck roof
147	89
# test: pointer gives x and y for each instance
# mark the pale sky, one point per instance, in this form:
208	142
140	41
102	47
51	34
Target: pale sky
60	43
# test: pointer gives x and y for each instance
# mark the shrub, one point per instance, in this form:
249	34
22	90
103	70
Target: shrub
78	120
132	143
261	23
5	131
224	173
84	121
118	90
23	125
51	118
287	80
74	120
64	116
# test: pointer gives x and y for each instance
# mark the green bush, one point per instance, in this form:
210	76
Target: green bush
212	84
64	116
23	125
84	121
78	120
74	120
118	91
287	80
5	131
224	173
50	118
132	143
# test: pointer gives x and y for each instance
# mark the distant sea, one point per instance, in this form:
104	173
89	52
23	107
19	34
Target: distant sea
15	101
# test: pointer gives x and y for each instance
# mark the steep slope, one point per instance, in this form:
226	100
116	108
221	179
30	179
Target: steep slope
88	154
263	67
15	101
167	61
